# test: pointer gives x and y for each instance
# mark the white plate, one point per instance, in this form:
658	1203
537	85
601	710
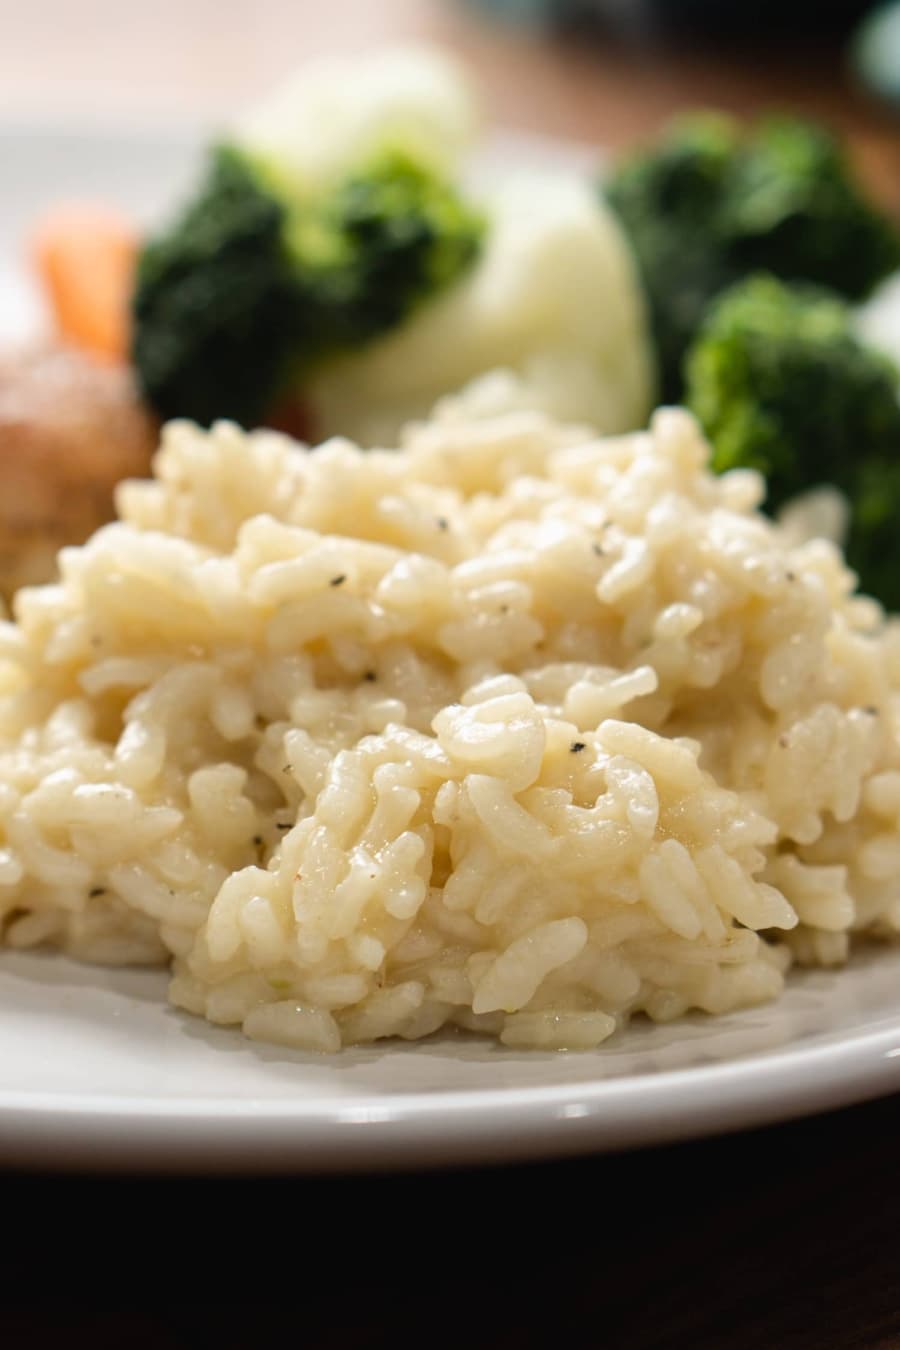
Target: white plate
95	1068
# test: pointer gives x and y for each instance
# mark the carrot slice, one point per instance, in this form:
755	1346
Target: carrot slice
86	256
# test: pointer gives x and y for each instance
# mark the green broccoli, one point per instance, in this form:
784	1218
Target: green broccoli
255	285
792	208
708	205
215	309
669	201
781	383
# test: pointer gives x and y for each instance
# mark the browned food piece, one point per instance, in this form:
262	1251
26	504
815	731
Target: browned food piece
71	427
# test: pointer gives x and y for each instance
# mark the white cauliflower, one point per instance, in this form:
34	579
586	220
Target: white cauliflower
336	114
554	299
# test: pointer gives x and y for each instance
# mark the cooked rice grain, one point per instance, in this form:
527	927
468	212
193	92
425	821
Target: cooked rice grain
509	730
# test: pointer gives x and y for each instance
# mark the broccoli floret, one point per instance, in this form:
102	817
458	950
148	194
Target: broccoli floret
669	200
781	383
255	285
386	240
792	208
709	205
215	309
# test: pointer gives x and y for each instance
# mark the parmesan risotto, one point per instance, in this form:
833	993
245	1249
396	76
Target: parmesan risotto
512	730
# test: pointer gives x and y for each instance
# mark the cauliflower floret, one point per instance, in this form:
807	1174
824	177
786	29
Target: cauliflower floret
554	299
334	115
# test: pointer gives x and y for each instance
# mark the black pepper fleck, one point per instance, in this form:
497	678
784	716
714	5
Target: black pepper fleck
97	890
338	581
284	826
576	746
443	523
872	711
370	676
600	552
783	742
791	576
257	839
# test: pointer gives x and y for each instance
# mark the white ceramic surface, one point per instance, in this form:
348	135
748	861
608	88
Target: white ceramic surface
96	1070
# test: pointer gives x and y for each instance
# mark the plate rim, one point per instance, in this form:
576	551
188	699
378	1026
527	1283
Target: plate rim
460	1127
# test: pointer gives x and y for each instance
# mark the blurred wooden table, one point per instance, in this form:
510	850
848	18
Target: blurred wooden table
788	1237
166	59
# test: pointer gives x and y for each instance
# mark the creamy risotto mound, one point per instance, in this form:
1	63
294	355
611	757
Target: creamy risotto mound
511	729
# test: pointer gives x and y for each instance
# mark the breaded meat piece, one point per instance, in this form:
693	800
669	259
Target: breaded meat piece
71	427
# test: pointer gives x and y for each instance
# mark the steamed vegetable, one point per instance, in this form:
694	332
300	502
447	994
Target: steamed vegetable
258	282
793	208
549	317
85	256
668	199
327	215
709	204
330	273
781	383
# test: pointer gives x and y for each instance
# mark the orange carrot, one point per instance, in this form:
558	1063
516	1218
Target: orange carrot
86	256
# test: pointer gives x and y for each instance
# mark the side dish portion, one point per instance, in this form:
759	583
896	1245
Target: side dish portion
552	302
510	729
71	427
782	384
712	202
337	260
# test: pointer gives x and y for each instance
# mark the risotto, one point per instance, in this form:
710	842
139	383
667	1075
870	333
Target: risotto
512	729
